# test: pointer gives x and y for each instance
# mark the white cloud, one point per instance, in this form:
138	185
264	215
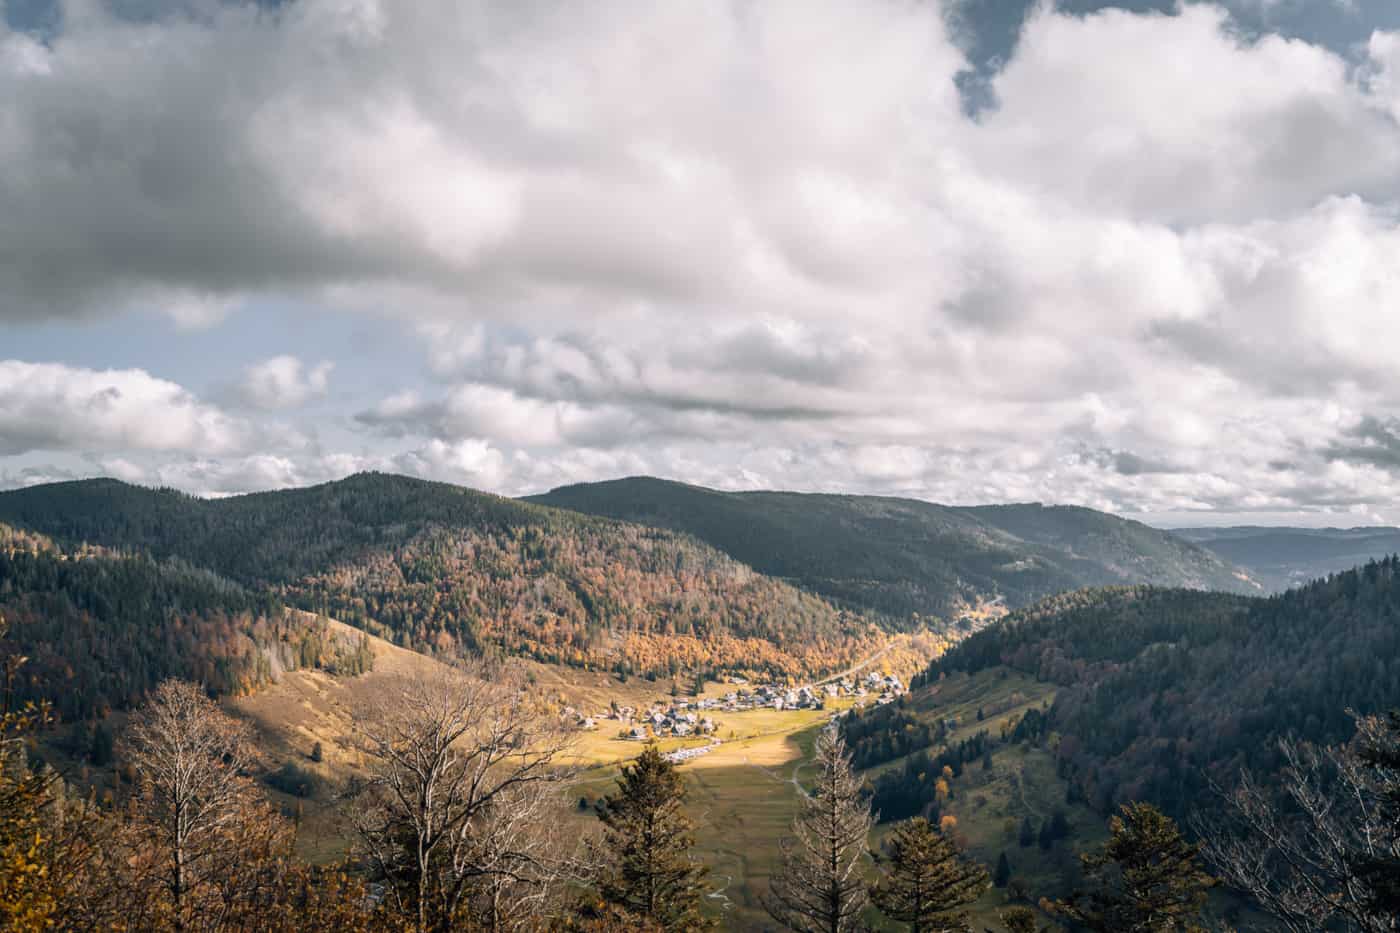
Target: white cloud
741	244
284	382
53	407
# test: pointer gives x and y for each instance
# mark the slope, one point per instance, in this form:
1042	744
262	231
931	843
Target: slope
1282	557
1158	692
453	572
100	629
904	557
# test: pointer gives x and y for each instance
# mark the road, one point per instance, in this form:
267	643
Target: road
850	671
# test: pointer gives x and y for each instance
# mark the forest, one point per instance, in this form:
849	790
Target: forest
904	558
456	826
454	573
100	630
1163	692
152	604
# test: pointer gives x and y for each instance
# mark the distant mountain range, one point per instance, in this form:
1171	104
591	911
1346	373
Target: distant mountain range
901	557
1282	557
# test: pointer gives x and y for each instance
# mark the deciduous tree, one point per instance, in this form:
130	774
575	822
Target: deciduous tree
1323	848
454	818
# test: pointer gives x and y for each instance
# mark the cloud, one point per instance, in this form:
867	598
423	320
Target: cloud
1371	441
53	407
283	382
740	244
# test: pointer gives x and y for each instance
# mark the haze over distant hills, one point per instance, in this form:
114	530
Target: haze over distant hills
1282	557
903	556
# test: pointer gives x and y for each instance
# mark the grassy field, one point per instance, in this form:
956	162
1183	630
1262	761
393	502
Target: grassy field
742	799
742	795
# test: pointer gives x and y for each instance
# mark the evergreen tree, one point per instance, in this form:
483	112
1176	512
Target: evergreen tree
1027	833
647	843
103	745
928	880
1059	825
1003	871
317	754
1046	837
818	887
1148	878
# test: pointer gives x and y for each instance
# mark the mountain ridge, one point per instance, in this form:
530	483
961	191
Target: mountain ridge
1282	556
906	557
454	572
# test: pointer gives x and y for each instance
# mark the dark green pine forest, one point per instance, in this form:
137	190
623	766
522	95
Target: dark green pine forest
905	558
1162	691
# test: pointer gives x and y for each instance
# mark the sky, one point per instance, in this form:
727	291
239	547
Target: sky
1140	256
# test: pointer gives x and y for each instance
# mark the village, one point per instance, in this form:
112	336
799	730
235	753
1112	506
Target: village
681	717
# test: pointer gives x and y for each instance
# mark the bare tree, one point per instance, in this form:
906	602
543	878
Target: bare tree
1301	852
819	887
455	813
190	758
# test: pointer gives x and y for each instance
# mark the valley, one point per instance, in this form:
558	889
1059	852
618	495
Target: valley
1280	558
1016	724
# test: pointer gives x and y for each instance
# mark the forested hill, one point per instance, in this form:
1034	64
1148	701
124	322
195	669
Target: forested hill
904	556
1160	690
99	630
1283	557
450	571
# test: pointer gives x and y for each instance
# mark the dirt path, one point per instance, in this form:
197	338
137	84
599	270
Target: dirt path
1021	790
795	783
719	895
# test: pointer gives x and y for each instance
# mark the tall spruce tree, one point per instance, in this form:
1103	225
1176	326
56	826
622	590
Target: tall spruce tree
928	880
1003	871
646	853
1149	879
819	888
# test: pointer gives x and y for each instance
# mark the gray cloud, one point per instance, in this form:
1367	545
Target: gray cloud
1374	441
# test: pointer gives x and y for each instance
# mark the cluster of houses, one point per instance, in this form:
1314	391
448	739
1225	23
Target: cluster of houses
683	718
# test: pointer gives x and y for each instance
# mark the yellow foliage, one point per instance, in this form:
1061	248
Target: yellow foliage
27	897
